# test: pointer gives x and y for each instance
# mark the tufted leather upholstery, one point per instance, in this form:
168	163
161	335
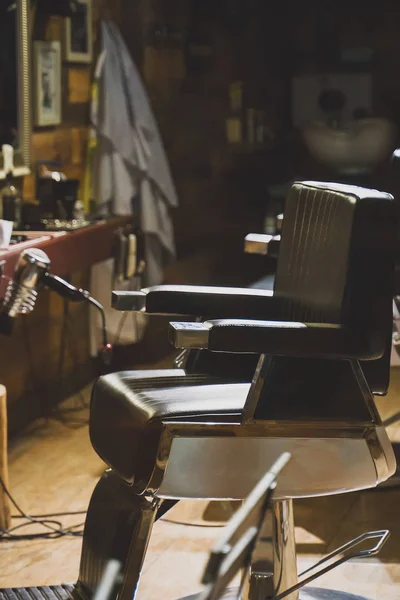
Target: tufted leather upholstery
377	372
336	259
129	412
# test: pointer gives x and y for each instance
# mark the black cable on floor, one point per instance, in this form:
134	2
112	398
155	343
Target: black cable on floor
56	529
61	514
59	413
185	524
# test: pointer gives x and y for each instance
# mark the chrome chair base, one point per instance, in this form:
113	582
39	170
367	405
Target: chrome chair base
309	593
325	594
272	574
274	566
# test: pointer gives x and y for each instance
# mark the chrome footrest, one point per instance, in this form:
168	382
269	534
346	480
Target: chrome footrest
345	553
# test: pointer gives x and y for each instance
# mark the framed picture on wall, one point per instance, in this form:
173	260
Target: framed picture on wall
47	83
78	34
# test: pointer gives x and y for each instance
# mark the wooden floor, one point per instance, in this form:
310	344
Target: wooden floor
54	469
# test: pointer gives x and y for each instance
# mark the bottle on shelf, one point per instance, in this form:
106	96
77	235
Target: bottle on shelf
11	202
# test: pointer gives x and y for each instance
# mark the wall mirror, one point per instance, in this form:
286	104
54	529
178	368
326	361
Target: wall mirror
15	124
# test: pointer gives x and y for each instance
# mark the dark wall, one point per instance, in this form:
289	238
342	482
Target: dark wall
224	190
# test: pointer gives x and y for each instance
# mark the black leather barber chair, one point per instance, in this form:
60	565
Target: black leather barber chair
165	439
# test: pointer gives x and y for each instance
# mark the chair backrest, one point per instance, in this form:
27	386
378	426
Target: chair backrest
335	265
336	257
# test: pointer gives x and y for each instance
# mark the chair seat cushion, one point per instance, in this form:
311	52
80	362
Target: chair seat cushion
128	409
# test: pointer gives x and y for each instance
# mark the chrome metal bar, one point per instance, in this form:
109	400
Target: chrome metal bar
124	300
107	589
348	554
249	516
273	565
284	548
188	335
233	551
396	323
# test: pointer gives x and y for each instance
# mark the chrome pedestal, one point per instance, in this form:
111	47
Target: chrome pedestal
274	568
309	593
324	594
273	565
273	571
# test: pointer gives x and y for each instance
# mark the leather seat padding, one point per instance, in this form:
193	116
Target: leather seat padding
127	413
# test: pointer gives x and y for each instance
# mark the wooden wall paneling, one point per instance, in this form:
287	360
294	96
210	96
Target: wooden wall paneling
42	145
69	324
52	145
17	349
30	357
74	171
57	143
79	136
63	145
54	29
79	85
28	187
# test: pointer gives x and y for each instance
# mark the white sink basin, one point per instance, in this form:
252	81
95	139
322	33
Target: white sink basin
366	143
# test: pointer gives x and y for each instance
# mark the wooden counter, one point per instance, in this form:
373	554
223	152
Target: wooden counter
70	251
47	357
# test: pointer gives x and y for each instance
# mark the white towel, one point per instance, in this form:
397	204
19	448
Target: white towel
129	166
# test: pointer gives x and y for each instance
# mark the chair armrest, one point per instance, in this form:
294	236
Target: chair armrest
200	301
258	243
311	340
